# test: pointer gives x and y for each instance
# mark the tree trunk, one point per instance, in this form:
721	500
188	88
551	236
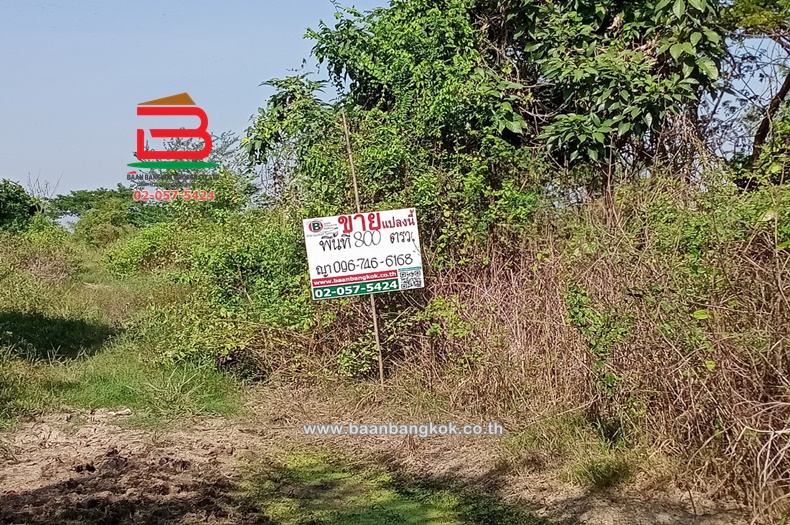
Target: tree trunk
765	126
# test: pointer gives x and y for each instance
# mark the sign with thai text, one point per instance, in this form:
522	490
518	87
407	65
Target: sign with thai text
363	253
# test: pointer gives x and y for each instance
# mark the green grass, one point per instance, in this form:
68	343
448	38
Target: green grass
117	377
602	471
65	345
572	449
316	488
121	377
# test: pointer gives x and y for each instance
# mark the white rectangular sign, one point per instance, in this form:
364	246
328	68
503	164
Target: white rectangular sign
363	253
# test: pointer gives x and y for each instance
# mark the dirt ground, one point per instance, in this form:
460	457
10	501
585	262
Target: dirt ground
80	468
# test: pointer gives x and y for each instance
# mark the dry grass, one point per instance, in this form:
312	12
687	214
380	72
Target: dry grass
700	346
659	328
704	367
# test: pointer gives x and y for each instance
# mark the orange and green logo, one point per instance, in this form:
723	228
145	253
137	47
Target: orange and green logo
176	106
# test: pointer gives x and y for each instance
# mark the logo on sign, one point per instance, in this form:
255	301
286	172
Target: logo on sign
180	105
316	226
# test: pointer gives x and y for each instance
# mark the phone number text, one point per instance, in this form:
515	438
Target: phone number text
172	195
331	292
364	263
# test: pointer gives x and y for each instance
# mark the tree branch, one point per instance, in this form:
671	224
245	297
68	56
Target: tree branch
765	124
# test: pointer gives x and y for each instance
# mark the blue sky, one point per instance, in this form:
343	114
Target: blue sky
73	72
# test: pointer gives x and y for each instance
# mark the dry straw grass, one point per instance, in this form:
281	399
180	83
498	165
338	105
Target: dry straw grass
701	356
711	391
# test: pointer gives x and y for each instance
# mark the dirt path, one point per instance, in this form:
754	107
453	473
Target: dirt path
85	468
98	473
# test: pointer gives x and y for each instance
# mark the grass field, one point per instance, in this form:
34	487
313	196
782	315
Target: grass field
69	344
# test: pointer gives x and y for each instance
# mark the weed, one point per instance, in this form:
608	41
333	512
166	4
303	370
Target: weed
315	487
571	449
119	377
65	345
602	472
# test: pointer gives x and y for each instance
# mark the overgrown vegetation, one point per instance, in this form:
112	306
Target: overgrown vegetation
315	487
590	254
65	340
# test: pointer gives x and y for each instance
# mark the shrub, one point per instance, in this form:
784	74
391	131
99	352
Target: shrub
42	232
104	224
43	251
16	206
150	248
254	266
247	275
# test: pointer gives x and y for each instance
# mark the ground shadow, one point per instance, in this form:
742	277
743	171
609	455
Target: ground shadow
154	488
124	489
118	489
318	489
36	336
594	503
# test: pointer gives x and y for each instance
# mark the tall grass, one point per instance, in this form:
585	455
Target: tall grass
67	343
666	327
658	325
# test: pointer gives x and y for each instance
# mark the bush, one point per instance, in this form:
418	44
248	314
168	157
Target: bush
104	224
150	248
247	275
43	251
16	206
42	232
254	266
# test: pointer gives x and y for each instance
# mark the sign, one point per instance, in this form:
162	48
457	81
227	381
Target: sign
180	105
363	253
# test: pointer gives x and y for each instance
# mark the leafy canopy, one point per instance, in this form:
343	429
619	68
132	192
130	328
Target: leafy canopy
16	206
453	105
79	202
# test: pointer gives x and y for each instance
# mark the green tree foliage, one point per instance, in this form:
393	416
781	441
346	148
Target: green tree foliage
773	155
231	193
453	104
612	72
79	202
423	125
16	206
762	19
769	18
104	223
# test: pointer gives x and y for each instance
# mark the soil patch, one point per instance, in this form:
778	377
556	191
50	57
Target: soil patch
86	468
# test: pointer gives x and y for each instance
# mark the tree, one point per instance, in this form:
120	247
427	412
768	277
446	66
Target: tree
16	206
611	78
760	19
104	223
419	112
79	202
763	19
454	105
